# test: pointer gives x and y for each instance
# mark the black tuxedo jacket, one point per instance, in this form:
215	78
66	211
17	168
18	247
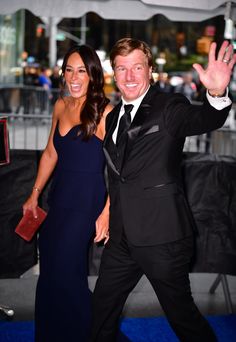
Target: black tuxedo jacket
145	185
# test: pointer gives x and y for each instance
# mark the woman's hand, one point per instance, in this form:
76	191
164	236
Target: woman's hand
102	227
31	204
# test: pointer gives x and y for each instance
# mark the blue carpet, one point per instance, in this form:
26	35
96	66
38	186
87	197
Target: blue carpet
158	329
136	329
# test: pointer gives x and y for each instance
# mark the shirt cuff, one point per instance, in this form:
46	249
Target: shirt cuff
219	102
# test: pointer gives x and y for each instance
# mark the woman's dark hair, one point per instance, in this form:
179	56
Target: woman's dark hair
96	100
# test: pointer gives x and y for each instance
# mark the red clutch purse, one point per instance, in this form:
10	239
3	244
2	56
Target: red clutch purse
29	225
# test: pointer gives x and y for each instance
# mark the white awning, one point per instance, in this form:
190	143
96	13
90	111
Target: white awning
175	10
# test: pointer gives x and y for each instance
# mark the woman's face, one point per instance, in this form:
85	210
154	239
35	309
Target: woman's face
76	76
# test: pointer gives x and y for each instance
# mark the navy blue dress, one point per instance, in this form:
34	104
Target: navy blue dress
77	197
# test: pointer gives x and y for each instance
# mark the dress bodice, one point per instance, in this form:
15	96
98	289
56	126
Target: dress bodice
75	154
79	175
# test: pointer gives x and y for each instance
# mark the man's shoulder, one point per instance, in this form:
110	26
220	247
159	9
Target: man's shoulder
154	95
114	111
164	101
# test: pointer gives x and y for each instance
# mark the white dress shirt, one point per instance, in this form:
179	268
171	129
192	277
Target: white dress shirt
219	102
136	103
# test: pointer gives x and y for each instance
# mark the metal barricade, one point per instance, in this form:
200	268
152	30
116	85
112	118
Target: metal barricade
28	131
22	99
224	142
29	111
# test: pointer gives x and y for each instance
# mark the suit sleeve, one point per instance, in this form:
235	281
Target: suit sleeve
182	119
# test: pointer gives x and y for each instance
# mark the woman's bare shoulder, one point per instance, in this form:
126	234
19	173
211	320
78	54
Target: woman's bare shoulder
102	124
59	107
60	103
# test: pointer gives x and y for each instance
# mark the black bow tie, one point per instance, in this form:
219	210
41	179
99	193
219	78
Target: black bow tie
124	124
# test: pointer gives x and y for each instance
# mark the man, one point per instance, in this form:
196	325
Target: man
188	87
151	228
163	83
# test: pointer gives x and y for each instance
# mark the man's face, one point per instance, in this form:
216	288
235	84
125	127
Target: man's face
132	74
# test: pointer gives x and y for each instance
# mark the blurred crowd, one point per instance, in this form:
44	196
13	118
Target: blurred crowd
183	84
42	76
37	94
41	88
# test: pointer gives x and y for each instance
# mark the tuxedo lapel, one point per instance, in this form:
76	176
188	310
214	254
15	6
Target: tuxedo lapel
144	109
109	147
111	122
136	127
140	118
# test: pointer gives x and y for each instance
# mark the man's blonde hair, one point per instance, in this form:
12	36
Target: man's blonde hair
125	46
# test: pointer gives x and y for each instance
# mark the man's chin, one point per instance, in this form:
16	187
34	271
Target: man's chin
130	97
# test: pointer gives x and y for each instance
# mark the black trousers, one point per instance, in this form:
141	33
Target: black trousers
167	268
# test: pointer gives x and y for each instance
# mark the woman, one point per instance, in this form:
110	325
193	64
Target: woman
77	200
